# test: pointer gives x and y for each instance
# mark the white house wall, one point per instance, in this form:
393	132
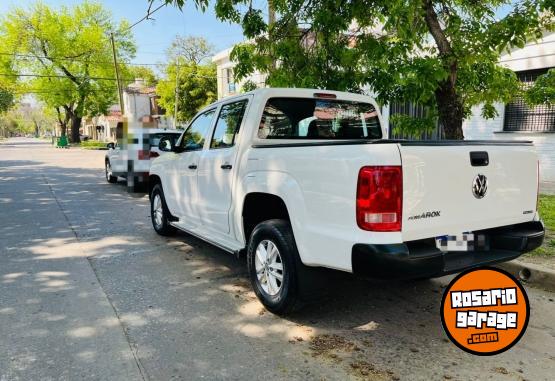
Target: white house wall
535	55
478	128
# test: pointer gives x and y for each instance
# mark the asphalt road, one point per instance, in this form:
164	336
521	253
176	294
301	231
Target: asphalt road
89	291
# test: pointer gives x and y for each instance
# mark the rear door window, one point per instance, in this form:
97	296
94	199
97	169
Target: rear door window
306	118
154	139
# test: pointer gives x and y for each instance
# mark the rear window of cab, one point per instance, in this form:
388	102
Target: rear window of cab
307	118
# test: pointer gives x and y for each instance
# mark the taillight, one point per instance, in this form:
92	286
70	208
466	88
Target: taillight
147	154
380	198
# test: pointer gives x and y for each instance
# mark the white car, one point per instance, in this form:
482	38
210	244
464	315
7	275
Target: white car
132	160
301	179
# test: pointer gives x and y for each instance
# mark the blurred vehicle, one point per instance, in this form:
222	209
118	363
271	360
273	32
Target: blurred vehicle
133	160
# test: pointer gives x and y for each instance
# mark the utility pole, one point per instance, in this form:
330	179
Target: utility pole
176	93
271	12
120	93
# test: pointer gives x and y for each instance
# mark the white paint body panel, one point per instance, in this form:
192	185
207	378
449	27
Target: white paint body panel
440	178
318	186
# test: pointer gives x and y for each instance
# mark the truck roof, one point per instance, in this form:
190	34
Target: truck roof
270	92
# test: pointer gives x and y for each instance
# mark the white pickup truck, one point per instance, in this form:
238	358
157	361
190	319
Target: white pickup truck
300	179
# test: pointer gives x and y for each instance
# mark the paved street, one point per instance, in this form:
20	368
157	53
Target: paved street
89	291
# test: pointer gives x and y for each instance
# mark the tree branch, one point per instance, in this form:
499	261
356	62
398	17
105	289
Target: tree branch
443	44
435	28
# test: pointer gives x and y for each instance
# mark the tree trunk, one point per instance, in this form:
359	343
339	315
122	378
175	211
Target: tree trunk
75	125
63	129
450	109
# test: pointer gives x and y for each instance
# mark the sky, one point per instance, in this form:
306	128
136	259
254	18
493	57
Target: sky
154	37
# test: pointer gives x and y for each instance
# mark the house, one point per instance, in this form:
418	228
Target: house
140	104
516	120
227	85
103	127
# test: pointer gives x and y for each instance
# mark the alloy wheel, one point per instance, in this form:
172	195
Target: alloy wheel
157	210
269	267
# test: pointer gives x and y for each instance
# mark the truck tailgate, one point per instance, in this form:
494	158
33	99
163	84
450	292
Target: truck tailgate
451	188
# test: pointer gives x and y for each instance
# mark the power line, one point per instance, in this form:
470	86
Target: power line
59	76
102	78
148	14
76	60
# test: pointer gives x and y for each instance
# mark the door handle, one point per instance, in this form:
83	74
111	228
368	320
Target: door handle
226	166
192	166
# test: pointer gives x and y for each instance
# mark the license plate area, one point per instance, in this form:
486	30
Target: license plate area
463	242
456	242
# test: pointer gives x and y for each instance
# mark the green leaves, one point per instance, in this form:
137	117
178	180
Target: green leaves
197	88
68	54
442	54
253	23
6	99
413	127
543	90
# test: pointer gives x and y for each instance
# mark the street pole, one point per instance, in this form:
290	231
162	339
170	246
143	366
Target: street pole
176	93
120	93
271	13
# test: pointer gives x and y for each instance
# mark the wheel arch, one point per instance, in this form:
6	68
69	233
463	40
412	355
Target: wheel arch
259	207
153	180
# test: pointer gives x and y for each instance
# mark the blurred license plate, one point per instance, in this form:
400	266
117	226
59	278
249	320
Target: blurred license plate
458	242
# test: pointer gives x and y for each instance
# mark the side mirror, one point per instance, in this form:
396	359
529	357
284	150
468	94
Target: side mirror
165	144
110	146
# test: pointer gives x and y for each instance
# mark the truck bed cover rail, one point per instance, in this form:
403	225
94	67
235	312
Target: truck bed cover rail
399	141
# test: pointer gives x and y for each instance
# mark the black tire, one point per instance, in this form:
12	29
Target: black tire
280	234
161	226
108	171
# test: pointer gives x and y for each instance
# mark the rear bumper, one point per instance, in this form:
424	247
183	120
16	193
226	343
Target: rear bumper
421	259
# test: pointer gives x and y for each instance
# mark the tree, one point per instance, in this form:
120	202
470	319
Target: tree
248	85
442	54
35	117
143	72
543	90
6	99
197	88
7	83
68	55
192	49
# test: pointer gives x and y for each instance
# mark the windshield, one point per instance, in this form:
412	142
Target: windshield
304	118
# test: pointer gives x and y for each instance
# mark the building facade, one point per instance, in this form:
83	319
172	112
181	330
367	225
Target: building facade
227	85
516	120
140	104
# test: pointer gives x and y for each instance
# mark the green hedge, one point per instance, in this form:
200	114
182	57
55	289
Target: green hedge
93	144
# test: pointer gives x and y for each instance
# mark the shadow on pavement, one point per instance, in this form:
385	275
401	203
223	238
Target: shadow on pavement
186	308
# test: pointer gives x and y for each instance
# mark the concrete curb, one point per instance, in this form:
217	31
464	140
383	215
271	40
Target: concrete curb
530	273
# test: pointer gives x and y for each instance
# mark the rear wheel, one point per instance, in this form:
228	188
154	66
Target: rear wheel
109	175
159	212
273	260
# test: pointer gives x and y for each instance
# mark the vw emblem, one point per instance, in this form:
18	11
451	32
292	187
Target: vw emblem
480	186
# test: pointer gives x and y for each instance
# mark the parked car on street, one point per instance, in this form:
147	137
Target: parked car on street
301	179
125	161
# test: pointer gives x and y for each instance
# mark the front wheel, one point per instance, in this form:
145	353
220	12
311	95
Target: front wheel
159	212
272	259
109	175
